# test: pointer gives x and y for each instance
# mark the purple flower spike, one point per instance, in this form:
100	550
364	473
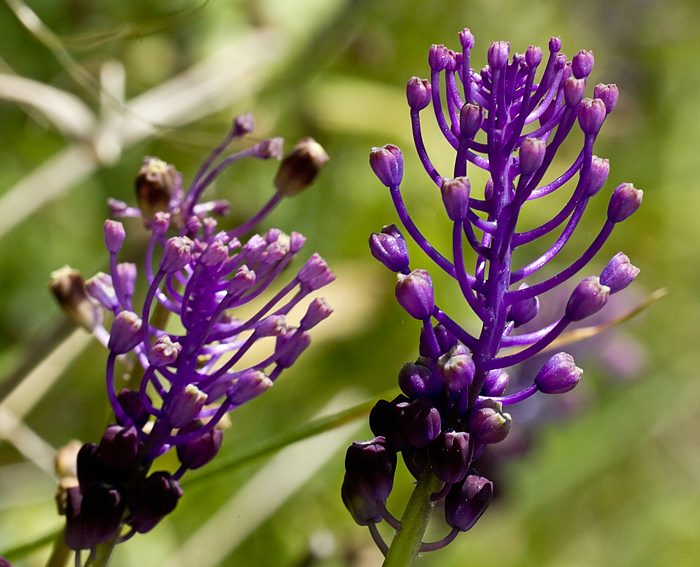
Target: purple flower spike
414	293
624	202
387	164
559	374
588	298
619	273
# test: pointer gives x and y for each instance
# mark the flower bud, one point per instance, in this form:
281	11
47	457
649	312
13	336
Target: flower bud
154	185
438	58
164	352
300	167
471	117
445	339
363	510
466	38
93	515
290	346
554	44
185	405
242	280
417	380
318	311
489	424
248	385
597	176
619	273
384	421
177	254
420	423
498	54
119	447
130	402
525	310
269	149
582	64
533	56
625	200
591	114
68	288
125	333
387	164
114	235
495	383
198	452
418	93
608	94
588	298
449	456
531	155
457	367
243	124
370	467
455	197
389	247
315	273
558	375
414	293
466	502
154	499
573	91
101	289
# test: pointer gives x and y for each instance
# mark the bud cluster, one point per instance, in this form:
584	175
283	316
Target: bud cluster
505	121
192	373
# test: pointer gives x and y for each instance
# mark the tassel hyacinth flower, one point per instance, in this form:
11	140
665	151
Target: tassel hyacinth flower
508	123
192	373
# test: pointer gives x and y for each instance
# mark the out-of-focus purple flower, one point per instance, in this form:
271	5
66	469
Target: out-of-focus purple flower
508	120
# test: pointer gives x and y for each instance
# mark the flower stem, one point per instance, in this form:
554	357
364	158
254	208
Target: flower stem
406	544
59	552
103	553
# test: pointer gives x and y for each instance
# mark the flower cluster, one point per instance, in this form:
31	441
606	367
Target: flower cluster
189	374
506	122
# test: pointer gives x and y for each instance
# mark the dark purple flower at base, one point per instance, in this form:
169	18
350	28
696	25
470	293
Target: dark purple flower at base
153	499
466	502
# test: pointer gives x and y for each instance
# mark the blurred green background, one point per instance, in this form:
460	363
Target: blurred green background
607	476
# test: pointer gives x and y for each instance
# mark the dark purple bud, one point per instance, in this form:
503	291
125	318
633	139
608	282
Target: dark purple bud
488	189
608	94
315	273
184	405
559	374
524	311
130	402
554	44
416	380
300	167
384	421
125	333
418	93
414	293
387	164
466	38
420	423
89	465
582	64
93	515
457	368
619	273
154	499
455	197
389	247
495	383
415	460
363	510
466	502
588	298
624	202
498	54
370	467
531	155
200	451
446	340
533	56
164	352
591	114
471	117
597	176
243	124
177	254
68	287
573	91
119	447
489	424
114	235
155	184
269	149
449	456
438	57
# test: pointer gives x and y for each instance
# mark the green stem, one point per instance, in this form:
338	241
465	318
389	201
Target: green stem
103	553
406	543
60	551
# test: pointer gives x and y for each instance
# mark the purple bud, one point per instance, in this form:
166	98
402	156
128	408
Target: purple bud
554	44
160	223
418	93
387	164
457	368
370	466
164	352
449	456
495	383
363	510
524	311
272	148
489	424
93	515
597	176
125	333
242	280
389	247
608	94
466	502
533	56
177	254
455	197
215	254
573	91
591	114
318	311
130	402
619	273
126	278
272	326
414	293
446	340
498	54
582	64
198	452
184	405
384	421
101	289
559	374
249	385
417	380
300	167
466	38
531	155
420	423
114	235
290	346
119	447
243	124
624	201
471	117
315	273
157	496
438	57
588	298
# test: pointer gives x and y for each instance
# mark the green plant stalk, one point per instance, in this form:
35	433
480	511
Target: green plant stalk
103	553
60	551
406	544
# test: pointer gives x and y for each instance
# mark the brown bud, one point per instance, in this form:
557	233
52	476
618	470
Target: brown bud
300	167
68	287
155	184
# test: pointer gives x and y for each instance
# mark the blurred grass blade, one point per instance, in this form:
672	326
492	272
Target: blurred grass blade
24	549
